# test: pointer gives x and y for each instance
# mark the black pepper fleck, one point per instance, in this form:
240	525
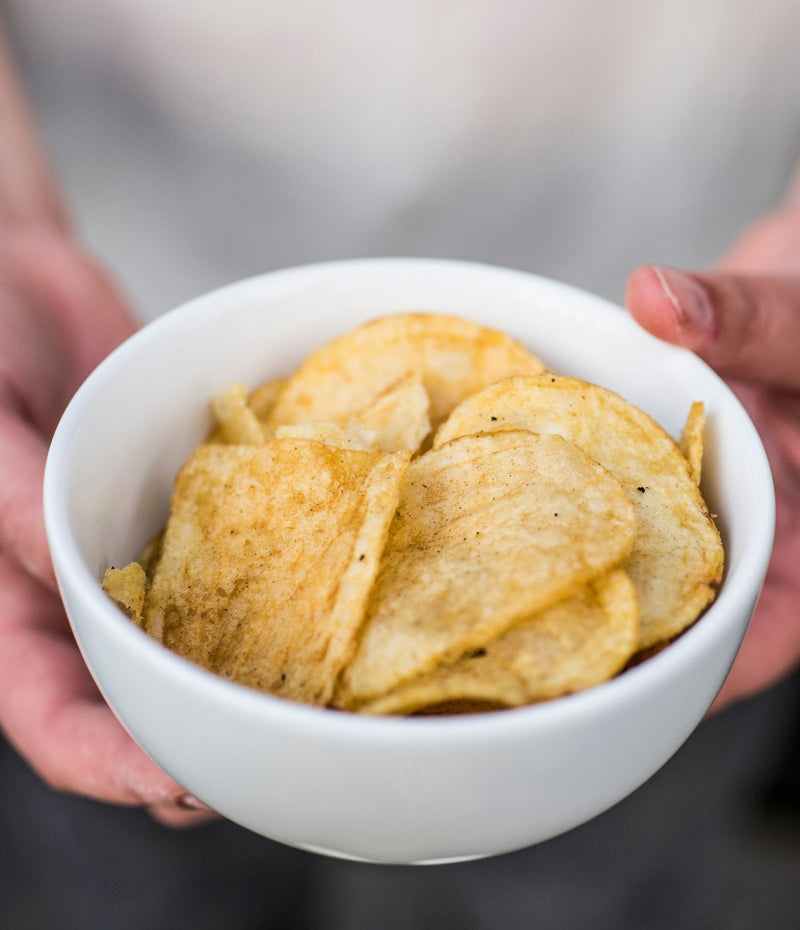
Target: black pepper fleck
640	488
475	654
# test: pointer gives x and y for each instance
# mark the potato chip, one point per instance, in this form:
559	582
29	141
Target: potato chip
490	529
398	418
262	398
236	422
676	564
126	587
351	438
268	559
693	439
580	642
452	357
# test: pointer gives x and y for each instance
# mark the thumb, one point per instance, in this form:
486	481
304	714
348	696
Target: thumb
744	326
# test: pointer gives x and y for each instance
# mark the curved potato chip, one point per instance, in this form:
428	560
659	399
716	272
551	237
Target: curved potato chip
397	420
676	564
452	357
126	587
268	559
399	417
331	435
263	396
490	529
693	439
576	644
236	422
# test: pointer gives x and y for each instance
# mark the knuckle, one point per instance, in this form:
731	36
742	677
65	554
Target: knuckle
744	314
754	315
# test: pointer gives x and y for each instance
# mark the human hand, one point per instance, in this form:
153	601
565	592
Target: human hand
743	318
59	317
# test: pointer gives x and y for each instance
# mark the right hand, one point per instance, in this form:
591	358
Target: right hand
59	317
743	318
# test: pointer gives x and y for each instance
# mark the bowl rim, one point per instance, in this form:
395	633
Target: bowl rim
434	731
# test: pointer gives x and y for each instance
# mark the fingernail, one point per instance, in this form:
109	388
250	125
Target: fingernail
689	298
189	802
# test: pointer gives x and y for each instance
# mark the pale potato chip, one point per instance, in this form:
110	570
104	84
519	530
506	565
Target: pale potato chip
262	398
126	587
580	642
693	439
268	559
351	438
452	357
236	422
399	417
676	564
490	529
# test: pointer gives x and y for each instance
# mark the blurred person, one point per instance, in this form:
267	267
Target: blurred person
198	143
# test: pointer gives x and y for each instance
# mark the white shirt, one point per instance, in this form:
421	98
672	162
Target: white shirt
202	141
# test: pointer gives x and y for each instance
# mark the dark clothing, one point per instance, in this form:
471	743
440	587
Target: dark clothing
664	858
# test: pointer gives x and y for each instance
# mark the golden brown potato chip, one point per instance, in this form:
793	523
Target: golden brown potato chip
268	559
262	397
576	644
236	422
693	439
490	529
351	438
126	587
676	564
452	357
399	417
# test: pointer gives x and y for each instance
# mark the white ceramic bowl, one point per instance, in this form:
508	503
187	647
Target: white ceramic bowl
394	790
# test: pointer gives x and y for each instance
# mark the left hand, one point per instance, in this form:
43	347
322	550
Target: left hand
59	316
743	318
